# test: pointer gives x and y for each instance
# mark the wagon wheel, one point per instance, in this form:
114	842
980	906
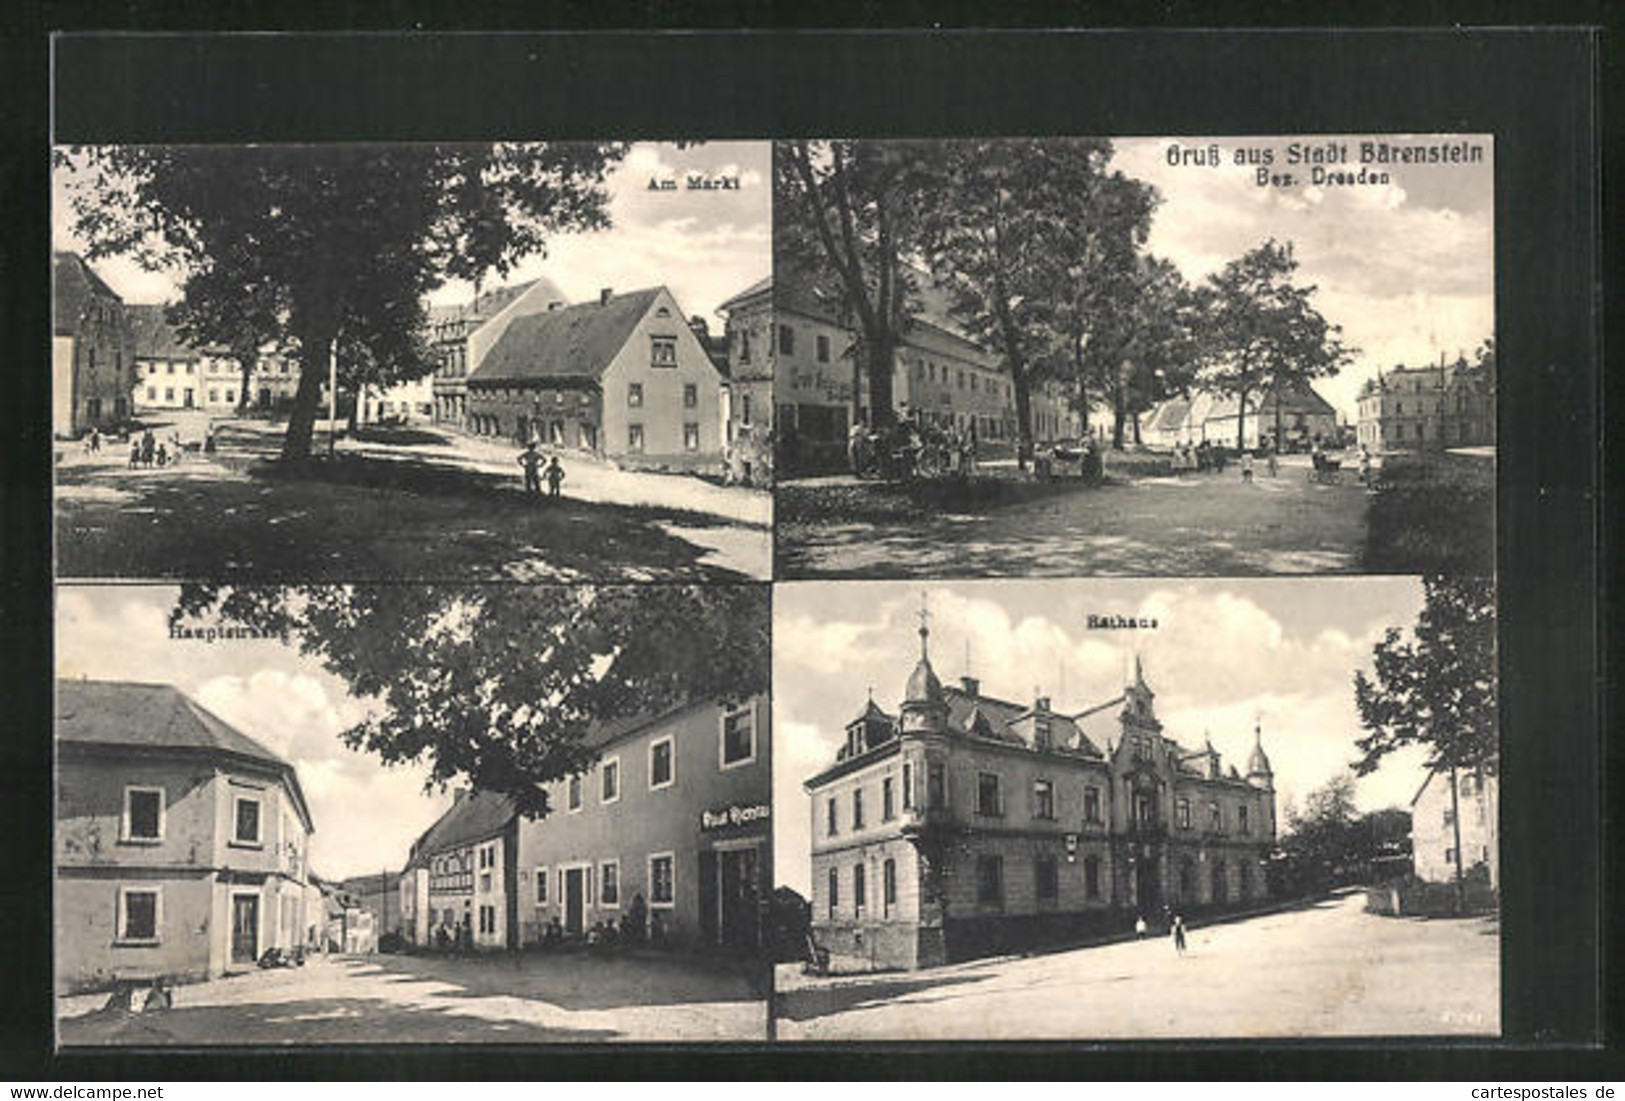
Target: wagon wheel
931	463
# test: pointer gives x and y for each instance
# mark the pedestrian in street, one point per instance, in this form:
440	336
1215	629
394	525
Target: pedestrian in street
1272	464
1247	466
148	447
555	476
1179	934
1365	466
531	460
135	453
1139	927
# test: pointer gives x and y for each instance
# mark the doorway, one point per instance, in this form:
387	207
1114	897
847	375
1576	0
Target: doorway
1147	886
575	898
245	928
737	871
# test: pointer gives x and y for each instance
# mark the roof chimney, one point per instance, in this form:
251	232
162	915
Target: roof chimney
971	685
605	295
1042	704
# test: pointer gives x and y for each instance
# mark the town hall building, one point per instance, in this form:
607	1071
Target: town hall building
967	824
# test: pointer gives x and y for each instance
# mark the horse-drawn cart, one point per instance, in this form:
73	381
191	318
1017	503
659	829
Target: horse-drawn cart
1325	470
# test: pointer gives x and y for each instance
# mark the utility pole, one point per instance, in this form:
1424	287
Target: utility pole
332	395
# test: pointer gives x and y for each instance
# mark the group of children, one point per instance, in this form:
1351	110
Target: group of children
537	466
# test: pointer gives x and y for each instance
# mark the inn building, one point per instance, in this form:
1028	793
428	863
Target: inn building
181	843
938	373
1428	408
675	816
966	824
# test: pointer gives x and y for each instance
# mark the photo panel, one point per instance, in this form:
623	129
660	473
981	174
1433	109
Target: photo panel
405	814
1115	810
510	361
1156	356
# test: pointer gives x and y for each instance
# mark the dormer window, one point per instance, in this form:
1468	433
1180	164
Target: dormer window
1041	732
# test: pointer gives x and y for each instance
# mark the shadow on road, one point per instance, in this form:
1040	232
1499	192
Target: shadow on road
358	518
804	1005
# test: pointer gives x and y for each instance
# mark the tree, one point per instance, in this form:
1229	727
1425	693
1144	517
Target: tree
989	233
1319	838
226	307
1436	689
1095	260
845	221
335	232
500	683
1267	336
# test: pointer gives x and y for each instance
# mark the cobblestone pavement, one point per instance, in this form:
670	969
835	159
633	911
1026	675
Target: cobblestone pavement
1327	970
503	999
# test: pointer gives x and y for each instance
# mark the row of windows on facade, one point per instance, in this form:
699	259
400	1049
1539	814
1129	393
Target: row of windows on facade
600	887
144	815
216	367
736	745
634	395
989	883
990	802
925	370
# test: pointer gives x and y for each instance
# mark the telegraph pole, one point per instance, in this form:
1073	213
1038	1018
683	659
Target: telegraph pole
332	395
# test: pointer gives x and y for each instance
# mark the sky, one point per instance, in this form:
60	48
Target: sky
1225	654
706	246
1406	268
366	815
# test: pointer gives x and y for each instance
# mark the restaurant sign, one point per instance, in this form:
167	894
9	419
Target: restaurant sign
731	816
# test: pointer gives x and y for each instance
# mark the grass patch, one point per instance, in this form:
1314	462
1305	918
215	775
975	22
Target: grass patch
1432	514
890	502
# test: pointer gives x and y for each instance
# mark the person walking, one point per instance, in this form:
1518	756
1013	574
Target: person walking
531	460
1272	465
148	447
1139	926
555	476
1179	934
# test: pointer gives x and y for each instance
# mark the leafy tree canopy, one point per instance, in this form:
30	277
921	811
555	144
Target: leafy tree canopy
1436	687
499	684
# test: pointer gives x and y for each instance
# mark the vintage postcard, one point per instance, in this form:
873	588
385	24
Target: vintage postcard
1119	810
534	362
407	814
1141	356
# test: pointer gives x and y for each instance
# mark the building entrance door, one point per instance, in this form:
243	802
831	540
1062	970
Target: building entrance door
245	928
1147	890
575	897
188	397
737	869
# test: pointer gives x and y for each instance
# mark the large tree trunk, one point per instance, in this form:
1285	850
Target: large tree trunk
306	399
1137	440
247	365
1083	385
1024	414
1455	825
1241	421
1119	419
878	352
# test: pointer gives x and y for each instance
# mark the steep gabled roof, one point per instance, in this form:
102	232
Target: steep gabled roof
761	286
474	817
574	342
492	302
993	719
156	717
74	284
155	337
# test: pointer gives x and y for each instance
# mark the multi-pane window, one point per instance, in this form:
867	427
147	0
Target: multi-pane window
860	890
1215	817
787	341
738	737
857	808
691	436
1182	813
888	809
634	438
143	814
662	880
611	780
541	886
1047	878
888	886
990	879
661	764
834	890
823	349
609	883
634	395
1091	805
1043	799
691	395
246	824
988	800
138	914
663	351
1241	819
